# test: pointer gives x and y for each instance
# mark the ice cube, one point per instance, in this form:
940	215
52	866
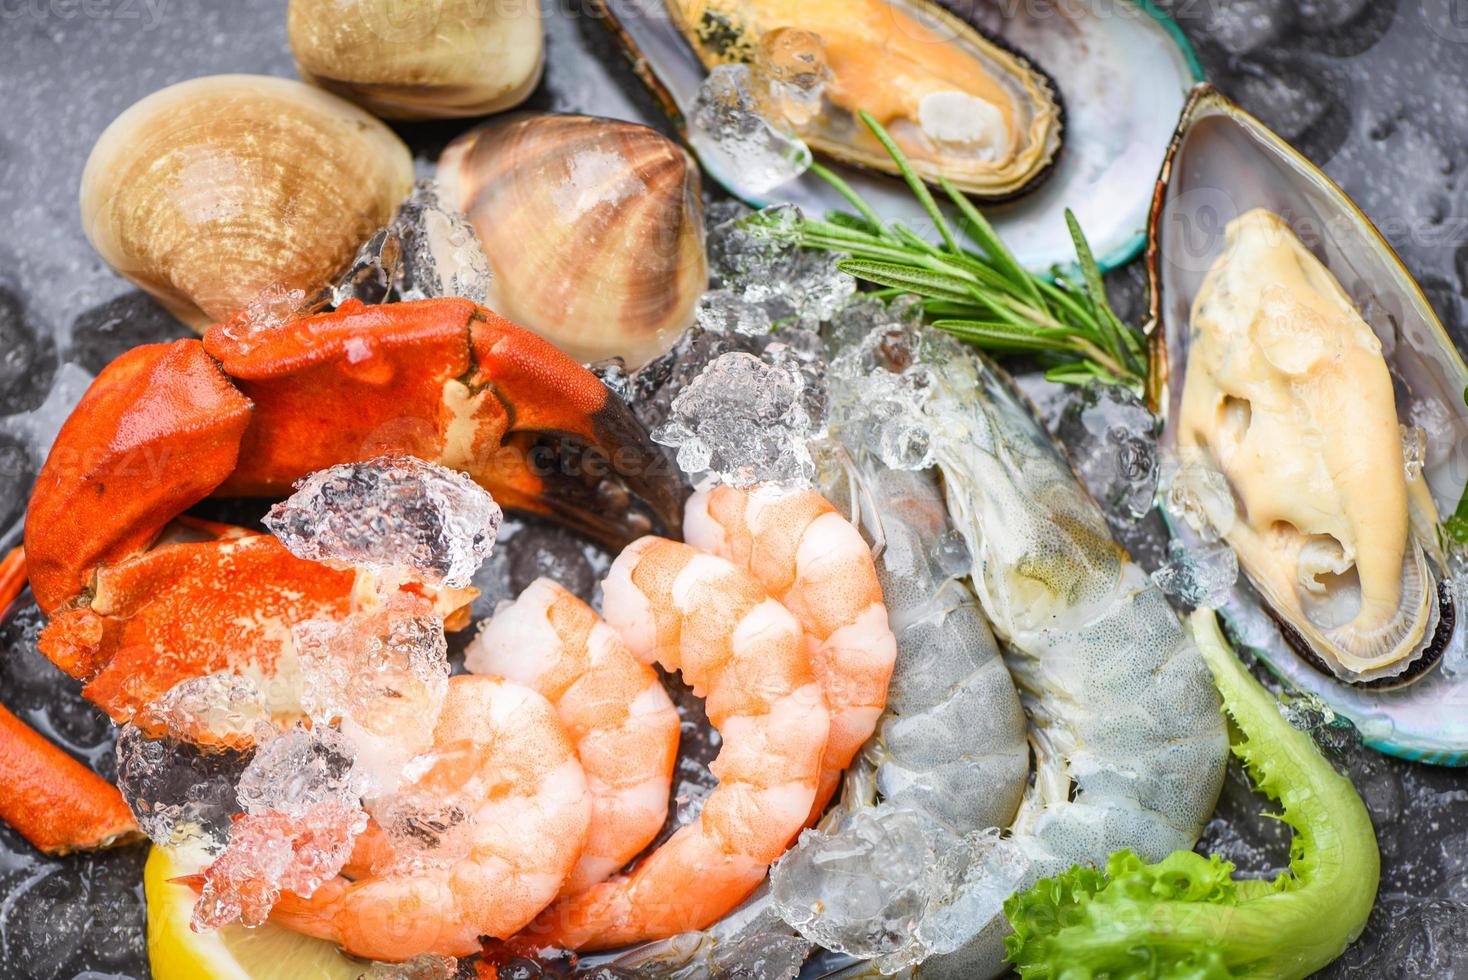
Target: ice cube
299	769
745	421
1202	577
272	852
427	251
877	391
734	136
178	792
1112	440
759	259
995	867
382	675
1334	733
430	818
272	308
866	888
1201	496
724	311
790	74
390	513
221	709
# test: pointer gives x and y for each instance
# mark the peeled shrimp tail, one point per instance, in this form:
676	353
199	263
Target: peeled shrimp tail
527	832
816	564
613	706
744	653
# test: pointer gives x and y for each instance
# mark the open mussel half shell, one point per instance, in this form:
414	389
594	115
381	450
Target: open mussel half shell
1122	70
1253	252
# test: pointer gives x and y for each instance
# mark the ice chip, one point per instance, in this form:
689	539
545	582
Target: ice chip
995	868
790	74
178	792
1201	496
299	769
427	251
876	389
1334	733
758	259
272	852
273	307
381	674
734	136
744	420
1112	440
1202	577
866	889
430	818
723	311
219	709
391	513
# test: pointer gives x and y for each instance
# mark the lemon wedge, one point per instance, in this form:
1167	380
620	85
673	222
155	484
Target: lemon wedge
176	952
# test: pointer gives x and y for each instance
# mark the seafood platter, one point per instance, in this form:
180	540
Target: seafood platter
732	489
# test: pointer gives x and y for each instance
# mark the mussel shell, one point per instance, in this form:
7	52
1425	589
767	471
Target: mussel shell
445	59
1128	69
208	191
1222	163
594	229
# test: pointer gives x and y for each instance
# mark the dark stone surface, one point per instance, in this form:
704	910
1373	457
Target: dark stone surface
1373	90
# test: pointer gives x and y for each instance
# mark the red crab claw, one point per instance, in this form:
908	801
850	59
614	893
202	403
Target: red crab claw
454	383
248	411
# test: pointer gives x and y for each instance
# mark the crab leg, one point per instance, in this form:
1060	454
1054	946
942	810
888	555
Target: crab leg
12	577
56	803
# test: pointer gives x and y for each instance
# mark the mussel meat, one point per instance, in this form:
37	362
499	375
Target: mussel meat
594	229
961	106
420	60
1293	355
208	191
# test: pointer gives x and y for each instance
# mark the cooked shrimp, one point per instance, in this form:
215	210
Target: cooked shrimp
527	834
814	562
744	653
613	706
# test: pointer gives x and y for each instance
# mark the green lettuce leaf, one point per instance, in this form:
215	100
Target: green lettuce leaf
1186	916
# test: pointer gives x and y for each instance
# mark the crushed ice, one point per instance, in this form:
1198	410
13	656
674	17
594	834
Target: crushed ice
893	885
735	136
1201	576
427	251
387	513
1112	440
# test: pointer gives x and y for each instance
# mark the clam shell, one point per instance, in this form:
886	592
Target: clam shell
594	228
1222	163
208	191
436	60
1126	67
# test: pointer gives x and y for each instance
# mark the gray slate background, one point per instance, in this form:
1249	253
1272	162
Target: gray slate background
1374	90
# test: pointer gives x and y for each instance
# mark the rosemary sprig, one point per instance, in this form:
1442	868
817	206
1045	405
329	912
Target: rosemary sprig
982	294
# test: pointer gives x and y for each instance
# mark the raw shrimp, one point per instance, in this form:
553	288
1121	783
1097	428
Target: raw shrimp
614	707
744	653
951	742
814	562
1129	738
527	835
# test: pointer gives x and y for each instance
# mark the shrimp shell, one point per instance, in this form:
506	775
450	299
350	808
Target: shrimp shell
1130	740
744	653
614	708
816	564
